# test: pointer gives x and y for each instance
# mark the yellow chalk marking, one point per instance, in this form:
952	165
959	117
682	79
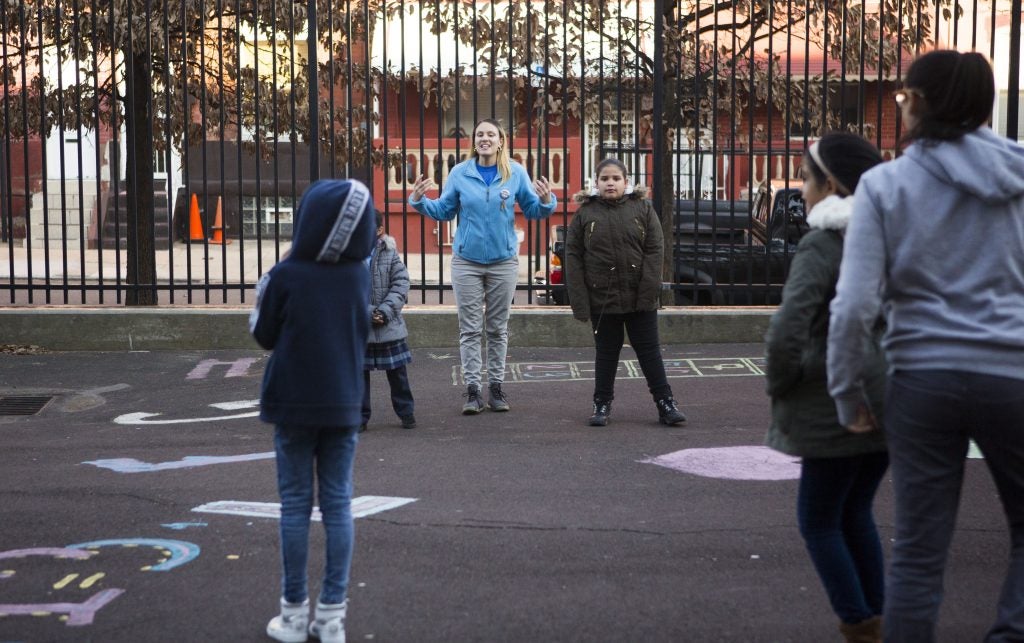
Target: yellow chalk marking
146	568
62	583
232	556
40	613
88	582
130	545
7	573
63	617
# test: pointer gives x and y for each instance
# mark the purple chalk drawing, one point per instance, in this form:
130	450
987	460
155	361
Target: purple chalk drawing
732	463
78	613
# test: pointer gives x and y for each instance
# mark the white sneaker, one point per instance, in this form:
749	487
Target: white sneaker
329	625
290	625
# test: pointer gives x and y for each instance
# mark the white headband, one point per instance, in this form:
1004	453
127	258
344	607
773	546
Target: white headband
816	155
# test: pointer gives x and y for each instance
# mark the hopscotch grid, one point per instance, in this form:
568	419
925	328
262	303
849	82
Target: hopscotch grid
682	368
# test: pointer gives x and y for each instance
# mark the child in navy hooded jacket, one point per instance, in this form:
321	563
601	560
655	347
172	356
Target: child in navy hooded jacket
311	311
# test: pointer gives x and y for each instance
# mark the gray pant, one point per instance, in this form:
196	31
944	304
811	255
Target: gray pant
929	417
483	294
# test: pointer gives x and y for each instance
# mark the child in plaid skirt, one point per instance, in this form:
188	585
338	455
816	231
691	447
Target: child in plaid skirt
387	349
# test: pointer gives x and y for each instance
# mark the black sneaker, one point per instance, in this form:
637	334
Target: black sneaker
602	410
409	421
474	403
668	412
497	401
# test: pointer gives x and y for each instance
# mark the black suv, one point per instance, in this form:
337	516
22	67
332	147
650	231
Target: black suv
724	255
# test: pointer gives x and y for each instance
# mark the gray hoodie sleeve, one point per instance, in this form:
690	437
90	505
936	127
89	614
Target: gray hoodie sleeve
856	305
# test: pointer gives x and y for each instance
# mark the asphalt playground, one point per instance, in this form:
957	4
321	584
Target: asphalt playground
138	500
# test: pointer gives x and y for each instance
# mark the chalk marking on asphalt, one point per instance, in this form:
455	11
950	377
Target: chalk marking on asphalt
362	506
698	367
183	525
64	582
77	613
179	552
89	582
131	465
732	463
236	368
53	552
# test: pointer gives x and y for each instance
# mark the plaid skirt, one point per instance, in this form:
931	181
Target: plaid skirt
386	356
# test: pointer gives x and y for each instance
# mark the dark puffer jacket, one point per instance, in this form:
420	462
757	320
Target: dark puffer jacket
804	418
613	255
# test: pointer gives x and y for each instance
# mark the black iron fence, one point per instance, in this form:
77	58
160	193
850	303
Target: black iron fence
154	151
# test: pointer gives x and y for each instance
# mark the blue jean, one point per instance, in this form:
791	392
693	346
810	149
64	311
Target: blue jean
642	327
838	526
930	417
329	451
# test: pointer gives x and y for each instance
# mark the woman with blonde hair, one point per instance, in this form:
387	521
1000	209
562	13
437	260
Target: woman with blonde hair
482	192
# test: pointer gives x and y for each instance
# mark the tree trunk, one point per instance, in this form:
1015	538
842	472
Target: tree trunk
141	253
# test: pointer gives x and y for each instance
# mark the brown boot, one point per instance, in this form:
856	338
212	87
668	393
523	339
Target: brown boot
867	631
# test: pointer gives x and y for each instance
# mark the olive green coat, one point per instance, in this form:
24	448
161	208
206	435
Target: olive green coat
613	256
804	418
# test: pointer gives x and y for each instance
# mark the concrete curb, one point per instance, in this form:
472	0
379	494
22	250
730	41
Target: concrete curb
210	328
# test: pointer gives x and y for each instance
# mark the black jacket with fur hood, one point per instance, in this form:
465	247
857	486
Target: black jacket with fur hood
613	256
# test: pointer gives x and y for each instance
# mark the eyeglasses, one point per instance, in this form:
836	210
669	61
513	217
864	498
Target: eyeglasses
901	95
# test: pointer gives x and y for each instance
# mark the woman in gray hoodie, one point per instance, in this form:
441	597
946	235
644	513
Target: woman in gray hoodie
936	242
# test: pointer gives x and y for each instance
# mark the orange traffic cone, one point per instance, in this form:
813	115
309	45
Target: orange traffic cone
218	228
195	222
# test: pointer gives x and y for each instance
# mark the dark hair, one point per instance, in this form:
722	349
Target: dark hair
958	91
611	161
380	218
846	157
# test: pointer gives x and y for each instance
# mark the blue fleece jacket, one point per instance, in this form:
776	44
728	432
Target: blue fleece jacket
311	311
936	242
486	231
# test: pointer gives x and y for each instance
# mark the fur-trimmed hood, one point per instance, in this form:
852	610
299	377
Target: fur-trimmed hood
632	192
831	213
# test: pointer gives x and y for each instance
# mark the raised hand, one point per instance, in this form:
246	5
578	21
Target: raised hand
421	186
543	189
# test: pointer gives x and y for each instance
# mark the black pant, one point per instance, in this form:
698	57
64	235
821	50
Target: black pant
643	335
401	393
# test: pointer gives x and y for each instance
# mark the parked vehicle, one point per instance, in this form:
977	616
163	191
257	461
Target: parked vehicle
556	259
745	258
724	252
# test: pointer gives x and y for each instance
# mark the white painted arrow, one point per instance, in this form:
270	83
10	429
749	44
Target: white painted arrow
142	417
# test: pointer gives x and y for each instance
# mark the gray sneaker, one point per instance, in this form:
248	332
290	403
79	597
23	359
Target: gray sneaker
497	401
474	403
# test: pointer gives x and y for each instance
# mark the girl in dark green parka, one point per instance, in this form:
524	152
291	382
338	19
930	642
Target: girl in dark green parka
613	256
841	470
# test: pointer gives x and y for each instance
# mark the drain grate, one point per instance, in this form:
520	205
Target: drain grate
23	404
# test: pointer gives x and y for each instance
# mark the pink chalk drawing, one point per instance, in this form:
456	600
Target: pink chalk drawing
78	613
172	554
732	463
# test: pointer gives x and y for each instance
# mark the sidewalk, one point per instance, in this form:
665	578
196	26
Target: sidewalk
189	263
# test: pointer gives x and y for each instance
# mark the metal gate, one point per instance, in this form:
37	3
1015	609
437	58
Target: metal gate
154	151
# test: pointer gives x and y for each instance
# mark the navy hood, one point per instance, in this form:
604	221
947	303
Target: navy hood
335	222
